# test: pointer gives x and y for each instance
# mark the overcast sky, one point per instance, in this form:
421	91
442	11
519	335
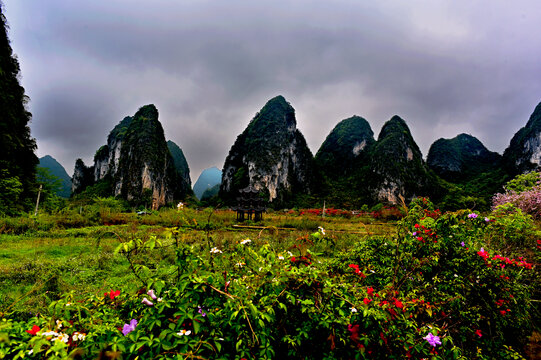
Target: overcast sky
446	67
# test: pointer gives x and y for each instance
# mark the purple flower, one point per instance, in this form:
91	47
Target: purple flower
433	340
462	244
472	215
487	219
203	314
151	294
147	302
129	328
414	233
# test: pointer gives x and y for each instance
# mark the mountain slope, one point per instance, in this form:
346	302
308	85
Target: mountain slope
56	169
208	179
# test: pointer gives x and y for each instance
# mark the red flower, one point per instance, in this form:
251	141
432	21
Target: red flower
370	291
113	294
367	301
34	330
478	332
502	312
398	304
354	329
293	259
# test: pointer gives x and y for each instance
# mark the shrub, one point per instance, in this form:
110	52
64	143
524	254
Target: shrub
432	290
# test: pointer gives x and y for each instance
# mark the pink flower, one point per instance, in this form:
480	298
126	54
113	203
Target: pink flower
147	302
151	294
432	339
128	328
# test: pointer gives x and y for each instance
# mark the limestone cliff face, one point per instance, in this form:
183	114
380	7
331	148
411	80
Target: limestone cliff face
397	167
83	176
271	155
136	163
461	158
524	151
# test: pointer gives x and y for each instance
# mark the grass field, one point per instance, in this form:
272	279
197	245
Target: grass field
36	266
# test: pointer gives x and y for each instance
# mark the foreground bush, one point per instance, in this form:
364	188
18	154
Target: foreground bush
435	290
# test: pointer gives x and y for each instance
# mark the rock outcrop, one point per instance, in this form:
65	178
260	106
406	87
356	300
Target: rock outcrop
136	164
524	151
397	166
271	155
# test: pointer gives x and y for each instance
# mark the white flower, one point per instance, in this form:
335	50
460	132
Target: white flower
280	257
63	337
290	253
77	336
215	250
58	324
50	333
30	352
180	205
159	299
455	275
184	332
245	241
353	310
239	264
321	230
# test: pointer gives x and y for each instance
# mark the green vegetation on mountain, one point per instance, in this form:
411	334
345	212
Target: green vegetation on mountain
398	166
146	163
136	164
474	171
345	148
210	193
17	158
57	170
461	158
272	155
181	165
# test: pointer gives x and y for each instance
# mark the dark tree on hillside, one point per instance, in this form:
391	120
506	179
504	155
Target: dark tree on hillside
17	159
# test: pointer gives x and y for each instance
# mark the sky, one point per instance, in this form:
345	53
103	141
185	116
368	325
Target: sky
446	67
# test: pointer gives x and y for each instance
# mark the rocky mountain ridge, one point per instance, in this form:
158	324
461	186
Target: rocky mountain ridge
136	163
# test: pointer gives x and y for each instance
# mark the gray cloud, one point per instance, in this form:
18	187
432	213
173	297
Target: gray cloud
209	66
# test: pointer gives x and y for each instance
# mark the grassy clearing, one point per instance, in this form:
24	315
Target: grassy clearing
40	259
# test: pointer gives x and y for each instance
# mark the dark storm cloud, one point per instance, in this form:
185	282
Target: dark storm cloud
209	66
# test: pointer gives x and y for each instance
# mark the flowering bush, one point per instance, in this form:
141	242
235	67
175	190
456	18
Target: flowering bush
437	289
524	192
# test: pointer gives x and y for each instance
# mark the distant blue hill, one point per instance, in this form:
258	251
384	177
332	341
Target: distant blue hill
57	170
209	178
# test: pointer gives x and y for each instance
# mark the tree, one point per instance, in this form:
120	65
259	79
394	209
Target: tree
17	158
